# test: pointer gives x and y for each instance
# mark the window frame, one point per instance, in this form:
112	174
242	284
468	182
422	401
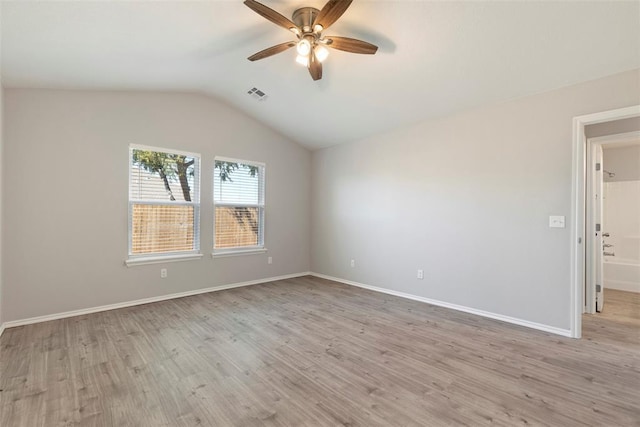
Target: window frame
161	257
261	205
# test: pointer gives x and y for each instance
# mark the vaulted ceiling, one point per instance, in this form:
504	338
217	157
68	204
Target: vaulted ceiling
434	58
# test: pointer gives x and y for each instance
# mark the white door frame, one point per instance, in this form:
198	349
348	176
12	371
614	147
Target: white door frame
578	208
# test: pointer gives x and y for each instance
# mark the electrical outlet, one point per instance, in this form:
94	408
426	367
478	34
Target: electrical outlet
420	274
353	263
269	260
163	273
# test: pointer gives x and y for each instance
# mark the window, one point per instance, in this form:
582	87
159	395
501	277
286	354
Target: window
238	198
164	203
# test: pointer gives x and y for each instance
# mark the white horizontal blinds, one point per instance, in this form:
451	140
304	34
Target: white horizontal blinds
163	176
238	194
164	201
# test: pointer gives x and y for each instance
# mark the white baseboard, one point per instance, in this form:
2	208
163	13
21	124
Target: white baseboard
508	319
107	307
621	285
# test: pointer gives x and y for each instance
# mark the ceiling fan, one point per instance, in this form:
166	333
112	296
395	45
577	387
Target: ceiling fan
307	24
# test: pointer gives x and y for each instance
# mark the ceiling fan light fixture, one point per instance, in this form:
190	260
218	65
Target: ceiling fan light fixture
304	47
321	52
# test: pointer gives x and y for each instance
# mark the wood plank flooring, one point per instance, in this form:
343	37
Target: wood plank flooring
311	352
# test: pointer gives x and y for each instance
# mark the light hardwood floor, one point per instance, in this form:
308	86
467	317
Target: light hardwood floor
309	351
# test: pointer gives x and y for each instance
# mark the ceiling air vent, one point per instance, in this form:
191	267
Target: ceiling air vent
257	94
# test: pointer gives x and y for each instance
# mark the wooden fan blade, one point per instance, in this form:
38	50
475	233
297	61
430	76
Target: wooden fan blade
271	51
351	45
331	12
270	14
315	66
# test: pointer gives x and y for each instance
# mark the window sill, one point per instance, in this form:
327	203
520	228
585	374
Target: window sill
161	259
238	252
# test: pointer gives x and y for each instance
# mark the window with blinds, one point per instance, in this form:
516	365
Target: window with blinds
238	198
164	202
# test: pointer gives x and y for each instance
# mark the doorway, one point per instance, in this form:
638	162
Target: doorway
612	234
578	226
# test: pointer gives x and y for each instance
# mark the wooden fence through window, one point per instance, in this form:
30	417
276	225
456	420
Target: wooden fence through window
166	228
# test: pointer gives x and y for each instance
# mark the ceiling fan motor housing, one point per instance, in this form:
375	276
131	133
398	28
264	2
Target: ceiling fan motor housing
304	18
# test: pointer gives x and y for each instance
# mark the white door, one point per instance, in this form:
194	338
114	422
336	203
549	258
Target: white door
593	229
600	227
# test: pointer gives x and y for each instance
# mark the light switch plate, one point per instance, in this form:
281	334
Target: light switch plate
556	221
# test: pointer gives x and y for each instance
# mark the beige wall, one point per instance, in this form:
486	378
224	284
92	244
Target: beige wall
467	198
623	161
1	194
65	196
1	181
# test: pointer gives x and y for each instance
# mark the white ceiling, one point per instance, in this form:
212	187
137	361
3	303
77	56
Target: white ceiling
435	58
